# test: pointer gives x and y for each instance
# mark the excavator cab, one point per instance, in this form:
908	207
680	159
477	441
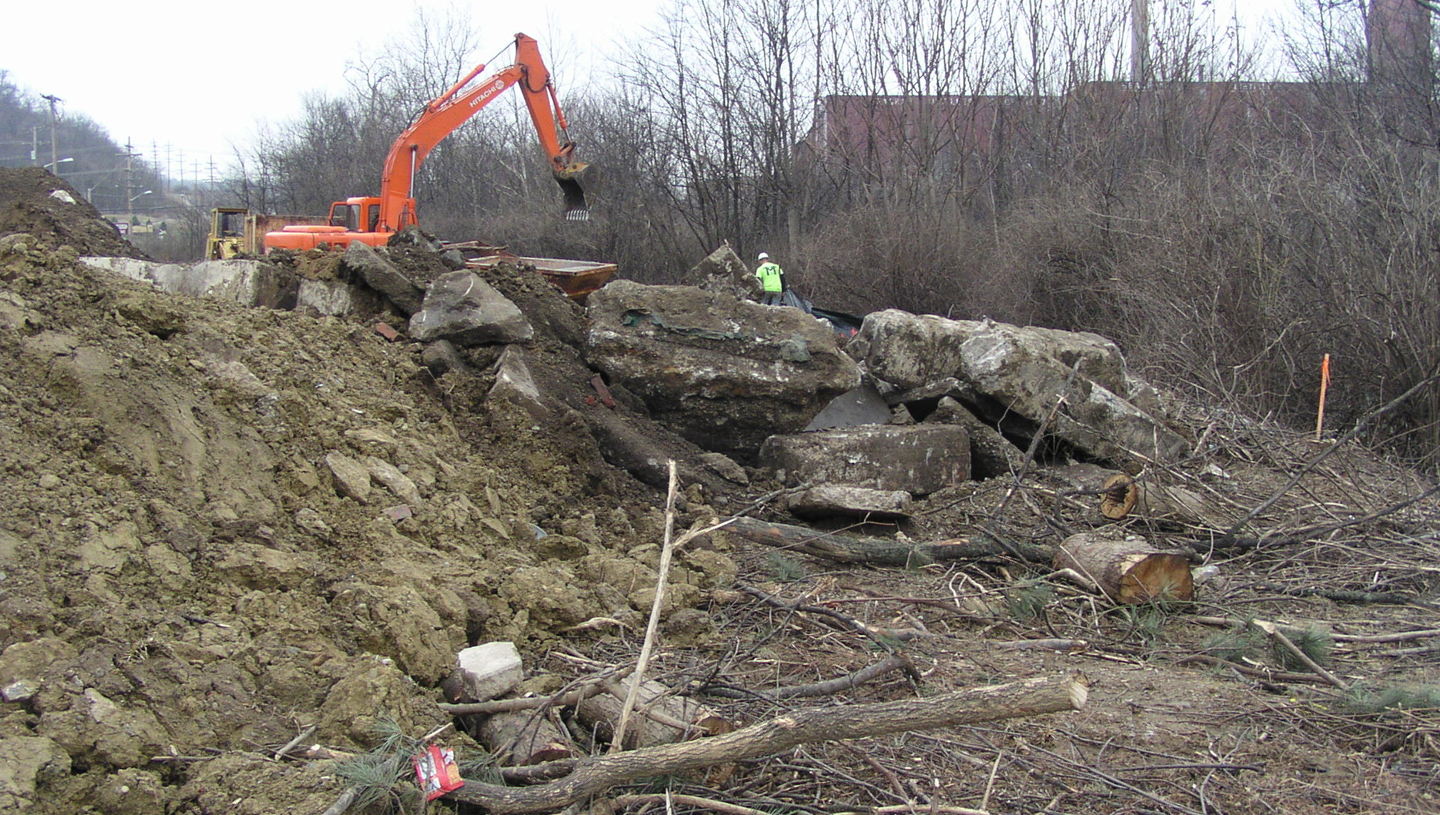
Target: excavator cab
356	214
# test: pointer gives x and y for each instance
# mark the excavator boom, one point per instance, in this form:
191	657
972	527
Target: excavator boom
456	106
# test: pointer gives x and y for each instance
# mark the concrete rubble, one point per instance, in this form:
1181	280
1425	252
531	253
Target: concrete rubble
919	459
723	373
464	309
912	404
489	671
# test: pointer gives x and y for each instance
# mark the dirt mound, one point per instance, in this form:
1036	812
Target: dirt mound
43	205
220	524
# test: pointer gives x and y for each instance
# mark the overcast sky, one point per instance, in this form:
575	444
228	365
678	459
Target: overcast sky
196	79
199	76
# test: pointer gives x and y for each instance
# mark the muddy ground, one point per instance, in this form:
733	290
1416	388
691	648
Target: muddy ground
190	580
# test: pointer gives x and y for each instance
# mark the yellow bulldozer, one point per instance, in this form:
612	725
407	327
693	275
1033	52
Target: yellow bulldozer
238	231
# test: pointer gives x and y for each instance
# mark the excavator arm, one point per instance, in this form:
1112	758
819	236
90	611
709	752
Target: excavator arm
456	106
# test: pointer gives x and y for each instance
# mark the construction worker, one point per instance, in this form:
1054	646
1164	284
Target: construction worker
772	280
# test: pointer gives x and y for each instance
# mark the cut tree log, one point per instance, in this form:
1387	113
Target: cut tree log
1029	697
1127	570
1123	496
660	717
525	737
876	551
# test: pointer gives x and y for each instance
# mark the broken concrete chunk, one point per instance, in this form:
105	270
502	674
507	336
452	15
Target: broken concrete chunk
724	272
252	283
362	261
352	479
490	670
513	383
441	357
909	350
20	691
991	454
463	308
725	467
1016	376
1111	429
830	500
919	459
397	482
857	406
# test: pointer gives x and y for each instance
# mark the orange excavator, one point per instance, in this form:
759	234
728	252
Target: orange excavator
375	220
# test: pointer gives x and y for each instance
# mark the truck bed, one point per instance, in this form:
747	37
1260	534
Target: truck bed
576	278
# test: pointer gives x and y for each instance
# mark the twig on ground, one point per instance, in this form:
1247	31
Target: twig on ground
1019	477
879	638
686	800
1261	673
1278	636
825	688
293	743
342	803
667	551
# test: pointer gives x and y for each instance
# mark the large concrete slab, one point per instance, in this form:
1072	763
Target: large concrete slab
721	372
919	459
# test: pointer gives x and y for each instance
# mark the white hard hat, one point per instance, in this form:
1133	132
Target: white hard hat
764	256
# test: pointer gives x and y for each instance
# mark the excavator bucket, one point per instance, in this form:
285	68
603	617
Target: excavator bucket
572	183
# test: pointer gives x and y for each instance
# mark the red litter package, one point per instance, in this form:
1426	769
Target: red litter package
436	772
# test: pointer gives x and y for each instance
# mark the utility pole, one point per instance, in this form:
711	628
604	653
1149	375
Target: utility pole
54	154
1140	41
129	155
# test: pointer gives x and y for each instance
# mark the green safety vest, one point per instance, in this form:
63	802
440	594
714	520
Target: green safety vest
769	274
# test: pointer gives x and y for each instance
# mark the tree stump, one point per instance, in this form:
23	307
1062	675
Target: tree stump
1127	570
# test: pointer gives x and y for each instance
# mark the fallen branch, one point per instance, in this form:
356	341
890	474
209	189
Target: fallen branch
624	801
1260	673
878	551
667	552
1043	645
343	802
1019	475
1285	642
812	725
1399	636
293	743
825	688
1229	542
881	637
525	703
1398	598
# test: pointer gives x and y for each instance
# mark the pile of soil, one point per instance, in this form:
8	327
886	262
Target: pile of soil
193	574
37	203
